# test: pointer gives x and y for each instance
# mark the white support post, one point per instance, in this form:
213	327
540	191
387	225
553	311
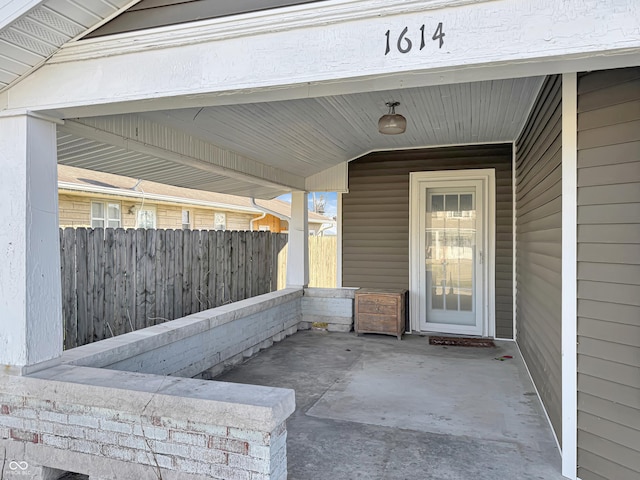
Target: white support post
298	254
30	292
569	275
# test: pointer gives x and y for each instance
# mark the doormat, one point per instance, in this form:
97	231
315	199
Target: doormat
461	341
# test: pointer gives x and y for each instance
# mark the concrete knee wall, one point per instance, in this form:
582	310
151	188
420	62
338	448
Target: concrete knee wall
208	341
332	307
110	411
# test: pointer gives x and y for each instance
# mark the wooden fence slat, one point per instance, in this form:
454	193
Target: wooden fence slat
178	240
196	260
69	292
241	265
203	249
220	267
248	265
211	268
150	277
141	307
120	273
187	280
170	273
82	286
130	280
108	286
233	267
160	274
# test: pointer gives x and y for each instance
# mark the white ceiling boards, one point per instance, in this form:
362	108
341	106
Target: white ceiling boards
295	138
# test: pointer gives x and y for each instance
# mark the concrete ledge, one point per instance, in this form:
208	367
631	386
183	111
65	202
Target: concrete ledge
252	407
345	292
330	307
192	344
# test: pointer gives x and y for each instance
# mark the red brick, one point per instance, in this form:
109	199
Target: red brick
229	445
23	436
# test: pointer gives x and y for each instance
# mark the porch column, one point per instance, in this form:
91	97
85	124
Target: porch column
298	254
30	296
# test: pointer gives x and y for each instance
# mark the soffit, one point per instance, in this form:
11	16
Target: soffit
30	38
307	136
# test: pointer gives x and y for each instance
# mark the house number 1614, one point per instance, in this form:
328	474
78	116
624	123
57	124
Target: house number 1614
404	43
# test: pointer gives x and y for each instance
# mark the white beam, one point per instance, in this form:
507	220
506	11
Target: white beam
330	48
298	253
569	275
30	292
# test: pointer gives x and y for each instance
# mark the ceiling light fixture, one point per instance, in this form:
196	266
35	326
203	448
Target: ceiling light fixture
392	123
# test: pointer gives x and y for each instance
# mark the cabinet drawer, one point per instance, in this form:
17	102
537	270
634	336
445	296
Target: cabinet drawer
378	323
382	305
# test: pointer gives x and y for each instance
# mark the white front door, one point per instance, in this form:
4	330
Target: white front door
450	252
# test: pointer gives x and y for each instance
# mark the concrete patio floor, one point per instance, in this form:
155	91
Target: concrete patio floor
373	407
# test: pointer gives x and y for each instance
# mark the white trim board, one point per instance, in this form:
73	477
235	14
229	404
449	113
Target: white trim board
546	415
569	275
79	81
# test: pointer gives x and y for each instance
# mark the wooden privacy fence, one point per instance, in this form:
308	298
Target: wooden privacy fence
115	281
323	263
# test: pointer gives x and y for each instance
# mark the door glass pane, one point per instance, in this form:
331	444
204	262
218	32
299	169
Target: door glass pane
450	240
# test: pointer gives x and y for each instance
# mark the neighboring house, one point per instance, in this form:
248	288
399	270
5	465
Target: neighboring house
521	114
89	198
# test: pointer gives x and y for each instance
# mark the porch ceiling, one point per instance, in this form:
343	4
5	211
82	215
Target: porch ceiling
307	136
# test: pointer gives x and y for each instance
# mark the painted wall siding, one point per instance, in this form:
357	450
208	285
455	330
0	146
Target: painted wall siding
273	223
375	217
75	211
538	246
609	274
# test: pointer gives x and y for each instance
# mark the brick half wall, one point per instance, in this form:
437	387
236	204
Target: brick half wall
112	425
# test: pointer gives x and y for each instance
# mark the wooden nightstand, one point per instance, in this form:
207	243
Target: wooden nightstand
380	311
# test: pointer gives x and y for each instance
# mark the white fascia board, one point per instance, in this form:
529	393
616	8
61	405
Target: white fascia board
74	187
13	10
330	48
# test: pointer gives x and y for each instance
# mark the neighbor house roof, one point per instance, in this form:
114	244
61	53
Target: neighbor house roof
83	180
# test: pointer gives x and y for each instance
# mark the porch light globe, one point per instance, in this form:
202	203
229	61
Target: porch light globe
392	124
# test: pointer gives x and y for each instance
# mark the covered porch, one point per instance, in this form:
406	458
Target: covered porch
287	100
371	407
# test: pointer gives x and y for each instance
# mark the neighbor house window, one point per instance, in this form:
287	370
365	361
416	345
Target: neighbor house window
146	218
186	220
105	215
220	221
264	228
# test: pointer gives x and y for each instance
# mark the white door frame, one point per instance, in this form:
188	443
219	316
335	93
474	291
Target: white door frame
487	176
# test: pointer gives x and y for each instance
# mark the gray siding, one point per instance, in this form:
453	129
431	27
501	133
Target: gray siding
159	13
609	275
539	246
375	214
